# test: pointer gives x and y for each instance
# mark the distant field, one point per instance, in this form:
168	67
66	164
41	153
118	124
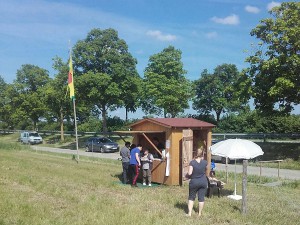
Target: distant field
46	188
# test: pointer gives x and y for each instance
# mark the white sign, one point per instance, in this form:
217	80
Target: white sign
168	144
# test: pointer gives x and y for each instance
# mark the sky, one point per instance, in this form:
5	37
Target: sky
208	32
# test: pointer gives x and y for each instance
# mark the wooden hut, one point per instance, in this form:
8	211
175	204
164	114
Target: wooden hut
180	137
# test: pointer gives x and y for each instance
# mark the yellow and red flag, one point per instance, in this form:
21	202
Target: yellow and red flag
70	79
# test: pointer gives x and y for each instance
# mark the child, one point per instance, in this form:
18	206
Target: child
214	180
147	160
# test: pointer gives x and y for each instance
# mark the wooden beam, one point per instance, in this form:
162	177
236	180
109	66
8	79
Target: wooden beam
153	145
122	138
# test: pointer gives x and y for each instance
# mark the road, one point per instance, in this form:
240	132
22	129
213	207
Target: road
80	152
267	172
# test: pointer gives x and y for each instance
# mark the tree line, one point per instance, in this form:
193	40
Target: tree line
106	79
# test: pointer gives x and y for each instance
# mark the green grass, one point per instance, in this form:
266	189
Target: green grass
42	188
285	164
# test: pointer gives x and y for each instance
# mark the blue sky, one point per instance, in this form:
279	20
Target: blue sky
208	32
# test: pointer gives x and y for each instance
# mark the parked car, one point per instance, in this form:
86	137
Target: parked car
217	158
101	144
30	138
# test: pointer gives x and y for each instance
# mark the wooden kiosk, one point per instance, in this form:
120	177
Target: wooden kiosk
181	138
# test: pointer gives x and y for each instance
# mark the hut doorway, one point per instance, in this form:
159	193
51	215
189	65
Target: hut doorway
187	152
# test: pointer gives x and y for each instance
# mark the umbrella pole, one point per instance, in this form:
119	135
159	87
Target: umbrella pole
226	170
235	177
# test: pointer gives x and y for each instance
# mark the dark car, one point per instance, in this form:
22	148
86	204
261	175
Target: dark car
101	144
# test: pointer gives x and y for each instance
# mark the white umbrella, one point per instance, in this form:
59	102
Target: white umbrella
236	149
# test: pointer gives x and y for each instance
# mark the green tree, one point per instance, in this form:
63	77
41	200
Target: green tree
4	104
101	92
165	88
254	122
275	65
29	86
56	96
103	59
10	114
226	90
131	89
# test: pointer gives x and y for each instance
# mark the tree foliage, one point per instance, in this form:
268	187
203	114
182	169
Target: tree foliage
255	122
226	90
275	65
56	98
4	104
165	88
28	93
104	64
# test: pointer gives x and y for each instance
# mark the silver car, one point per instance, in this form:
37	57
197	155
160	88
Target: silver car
30	138
101	144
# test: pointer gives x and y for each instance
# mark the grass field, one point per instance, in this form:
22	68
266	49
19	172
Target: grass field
45	188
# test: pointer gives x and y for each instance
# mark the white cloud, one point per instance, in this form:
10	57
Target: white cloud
272	5
211	35
229	20
160	36
252	9
49	21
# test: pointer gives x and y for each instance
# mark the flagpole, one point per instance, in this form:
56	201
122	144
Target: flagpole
76	135
74	105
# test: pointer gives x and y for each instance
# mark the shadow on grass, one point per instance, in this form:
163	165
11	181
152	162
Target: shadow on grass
119	176
182	206
225	192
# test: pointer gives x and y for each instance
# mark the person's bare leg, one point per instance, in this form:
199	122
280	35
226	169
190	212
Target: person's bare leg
201	205
190	207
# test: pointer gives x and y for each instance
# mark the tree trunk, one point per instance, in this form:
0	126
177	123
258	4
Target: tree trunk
61	121
218	115
126	114
34	125
104	121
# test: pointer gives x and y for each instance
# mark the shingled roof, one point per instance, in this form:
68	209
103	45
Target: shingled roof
177	122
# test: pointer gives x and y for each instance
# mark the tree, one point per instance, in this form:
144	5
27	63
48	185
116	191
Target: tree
100	91
10	114
4	102
55	94
104	61
29	85
225	90
165	88
275	65
131	89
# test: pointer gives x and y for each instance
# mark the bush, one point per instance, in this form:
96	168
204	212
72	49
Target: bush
92	124
253	122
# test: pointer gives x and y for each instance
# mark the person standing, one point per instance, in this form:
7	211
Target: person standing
159	146
198	181
147	160
125	154
135	163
